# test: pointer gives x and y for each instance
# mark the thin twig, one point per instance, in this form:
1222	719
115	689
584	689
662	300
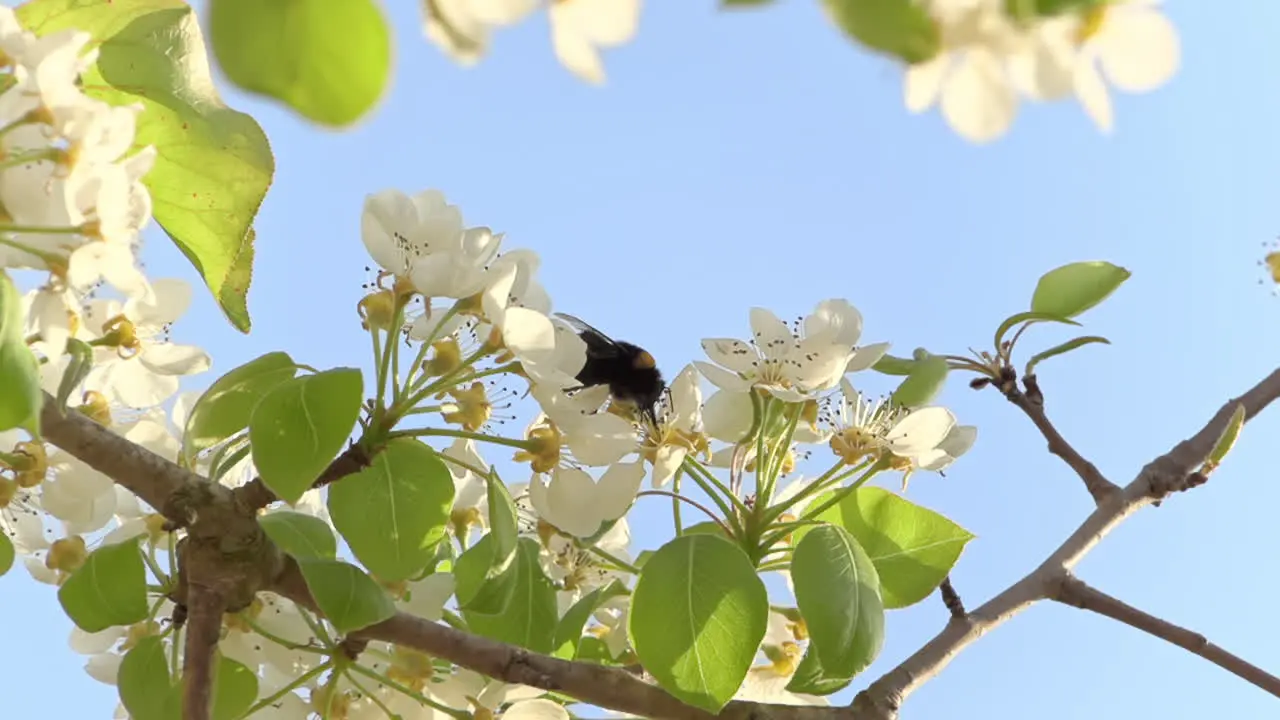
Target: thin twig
951	599
1094	481
1077	593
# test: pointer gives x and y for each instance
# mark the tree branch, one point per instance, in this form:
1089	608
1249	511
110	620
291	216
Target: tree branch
1032	403
1172	471
951	599
1077	593
155	480
204	624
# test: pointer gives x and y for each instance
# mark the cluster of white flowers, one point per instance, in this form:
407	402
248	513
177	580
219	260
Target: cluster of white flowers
989	58
588	463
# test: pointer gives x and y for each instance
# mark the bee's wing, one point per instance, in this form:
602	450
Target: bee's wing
599	344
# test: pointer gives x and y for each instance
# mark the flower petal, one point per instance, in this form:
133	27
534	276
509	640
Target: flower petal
732	354
727	415
772	336
866	356
170	359
836	318
920	431
537	709
722	378
1138	48
616	489
978	101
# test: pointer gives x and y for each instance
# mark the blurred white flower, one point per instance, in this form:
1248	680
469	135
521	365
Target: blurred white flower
578	504
580	27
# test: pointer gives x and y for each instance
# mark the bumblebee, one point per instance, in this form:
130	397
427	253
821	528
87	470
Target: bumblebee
629	370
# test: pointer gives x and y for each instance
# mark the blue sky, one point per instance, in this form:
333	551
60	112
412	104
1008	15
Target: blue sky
756	159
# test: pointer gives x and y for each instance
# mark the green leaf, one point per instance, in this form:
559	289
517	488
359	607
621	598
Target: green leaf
394	512
913	548
569	630
923	383
1029	318
707	527
838	593
503	525
303	536
225	408
1034	9
328	61
811	679
891	365
109	589
698	614
144	683
530	616
1071	289
1065	347
1226	441
298	427
235	689
479	590
901	28
19	371
77	370
7	553
350	599
213	164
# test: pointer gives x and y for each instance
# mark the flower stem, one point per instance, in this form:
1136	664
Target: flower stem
423	699
298	682
617	561
465	434
287	644
676	498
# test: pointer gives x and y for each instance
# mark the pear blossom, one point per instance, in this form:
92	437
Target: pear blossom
577	571
788	367
593	437
461	27
397	229
580	27
678	430
867	430
137	365
579	505
767	682
426	598
1130	43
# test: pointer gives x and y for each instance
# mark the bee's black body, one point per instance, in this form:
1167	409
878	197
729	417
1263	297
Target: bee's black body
628	370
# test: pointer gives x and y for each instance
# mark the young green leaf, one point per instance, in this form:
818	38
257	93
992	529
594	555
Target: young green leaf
838	592
891	365
530	615
569	630
1220	449
7	553
503	526
302	536
144	683
698	614
1069	290
235	688
350	599
1065	347
19	371
328	61
109	589
1028	318
923	383
913	548
225	408
298	427
900	28
811	679
394	512
213	165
